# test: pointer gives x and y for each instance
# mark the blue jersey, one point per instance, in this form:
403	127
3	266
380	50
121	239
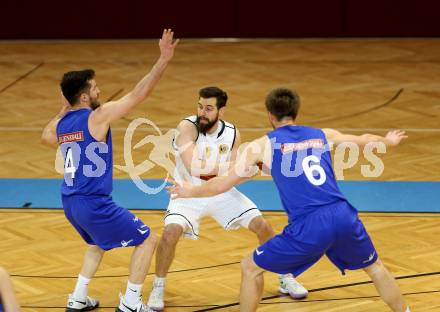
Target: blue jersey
302	170
88	164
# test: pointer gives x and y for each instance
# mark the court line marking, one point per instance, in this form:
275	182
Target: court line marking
265	303
322	289
365	111
21	77
125	275
113	308
349	298
216	306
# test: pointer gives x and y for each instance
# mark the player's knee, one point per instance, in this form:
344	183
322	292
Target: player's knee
148	245
375	268
171	234
245	265
248	267
150	242
96	249
260	226
267	228
152	239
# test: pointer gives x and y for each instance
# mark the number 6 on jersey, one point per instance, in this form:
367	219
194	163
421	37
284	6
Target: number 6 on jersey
310	169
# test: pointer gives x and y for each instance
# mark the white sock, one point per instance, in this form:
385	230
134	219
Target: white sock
133	293
407	309
159	281
285	275
80	292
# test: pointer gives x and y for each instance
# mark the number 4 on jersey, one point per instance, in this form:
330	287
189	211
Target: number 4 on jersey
69	166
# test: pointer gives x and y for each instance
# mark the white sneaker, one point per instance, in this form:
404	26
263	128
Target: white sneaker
155	302
125	307
74	305
288	285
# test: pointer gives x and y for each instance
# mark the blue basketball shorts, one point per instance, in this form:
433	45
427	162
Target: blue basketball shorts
335	231
101	222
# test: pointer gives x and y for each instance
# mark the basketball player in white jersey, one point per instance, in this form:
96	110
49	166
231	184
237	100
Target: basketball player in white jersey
204	146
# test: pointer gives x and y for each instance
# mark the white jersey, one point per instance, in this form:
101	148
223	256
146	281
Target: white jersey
231	209
211	147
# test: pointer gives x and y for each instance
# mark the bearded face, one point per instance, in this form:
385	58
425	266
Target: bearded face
205	124
207	114
94	103
94	95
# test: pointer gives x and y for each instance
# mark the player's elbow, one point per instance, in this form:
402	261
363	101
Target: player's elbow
43	139
48	140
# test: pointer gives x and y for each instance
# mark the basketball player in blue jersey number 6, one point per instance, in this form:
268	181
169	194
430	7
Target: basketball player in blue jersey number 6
204	144
82	129
320	219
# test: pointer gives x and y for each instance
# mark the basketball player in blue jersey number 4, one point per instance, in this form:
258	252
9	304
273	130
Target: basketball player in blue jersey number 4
82	129
204	145
320	220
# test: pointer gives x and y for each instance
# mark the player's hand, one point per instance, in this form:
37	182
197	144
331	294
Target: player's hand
395	136
167	45
65	105
182	189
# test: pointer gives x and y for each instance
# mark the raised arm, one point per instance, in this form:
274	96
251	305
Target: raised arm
392	138
245	168
102	117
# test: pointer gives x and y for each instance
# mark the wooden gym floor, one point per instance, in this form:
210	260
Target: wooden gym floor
356	85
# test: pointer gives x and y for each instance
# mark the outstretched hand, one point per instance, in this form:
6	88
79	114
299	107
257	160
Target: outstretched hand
182	189
395	136
167	45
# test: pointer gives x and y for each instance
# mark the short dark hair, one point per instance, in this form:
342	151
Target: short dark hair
219	94
74	83
283	102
